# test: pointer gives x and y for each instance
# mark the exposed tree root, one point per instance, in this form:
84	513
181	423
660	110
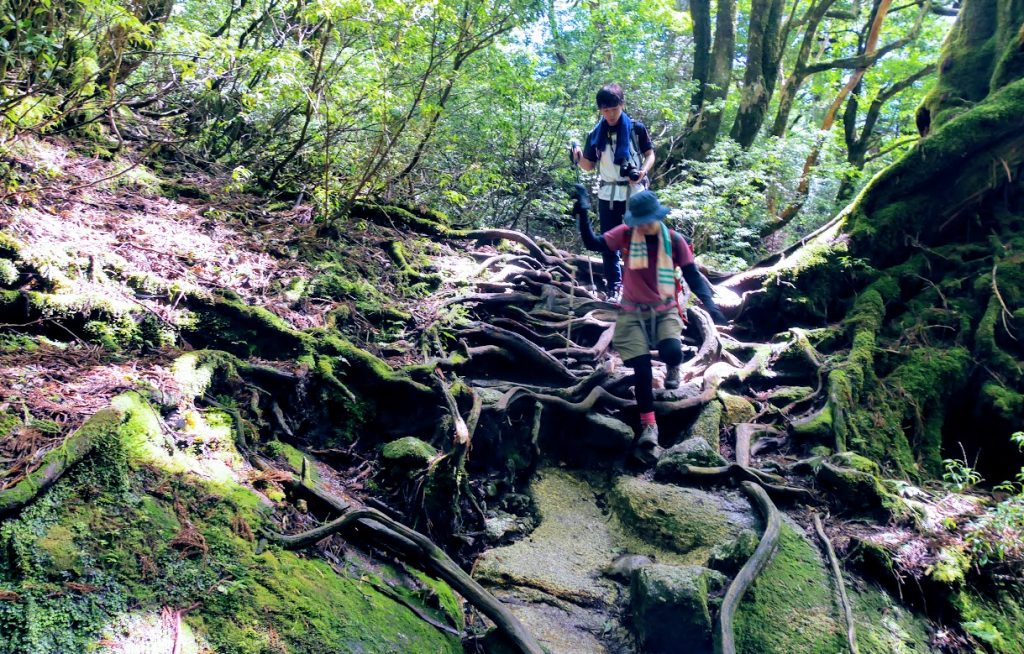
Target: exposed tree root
410	543
535	250
522	350
761	557
100	427
851	629
774	485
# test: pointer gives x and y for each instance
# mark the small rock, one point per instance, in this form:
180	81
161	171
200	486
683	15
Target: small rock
498	525
407	455
518	503
623	567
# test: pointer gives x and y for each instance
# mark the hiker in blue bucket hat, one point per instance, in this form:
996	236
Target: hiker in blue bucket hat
649	316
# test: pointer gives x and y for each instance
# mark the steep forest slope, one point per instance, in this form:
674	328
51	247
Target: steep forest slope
189	372
235	421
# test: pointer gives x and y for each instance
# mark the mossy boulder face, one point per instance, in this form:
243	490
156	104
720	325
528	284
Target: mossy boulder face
564	554
669	605
854	482
708	424
114	536
994	620
406	455
691	452
885	626
729	557
736	409
685	520
607	434
790	608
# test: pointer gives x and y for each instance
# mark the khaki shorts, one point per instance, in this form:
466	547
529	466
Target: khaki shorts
633	329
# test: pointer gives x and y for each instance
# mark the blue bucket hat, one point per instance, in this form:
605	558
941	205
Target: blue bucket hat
644	208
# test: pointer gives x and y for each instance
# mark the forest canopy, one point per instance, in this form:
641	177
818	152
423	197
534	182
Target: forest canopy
467	107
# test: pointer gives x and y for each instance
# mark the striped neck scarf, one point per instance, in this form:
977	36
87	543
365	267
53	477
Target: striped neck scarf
637	260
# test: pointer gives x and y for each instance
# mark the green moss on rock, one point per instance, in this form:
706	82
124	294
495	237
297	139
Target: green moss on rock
994	621
736	409
884	625
685	520
709	424
790	609
135	537
669	605
408	451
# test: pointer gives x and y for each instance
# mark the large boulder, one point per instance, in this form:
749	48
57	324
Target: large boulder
684	520
790	608
607	433
670	608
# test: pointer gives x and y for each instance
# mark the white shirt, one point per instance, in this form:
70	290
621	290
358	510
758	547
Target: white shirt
608	171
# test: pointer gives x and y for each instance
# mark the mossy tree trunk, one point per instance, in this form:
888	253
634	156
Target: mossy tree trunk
934	314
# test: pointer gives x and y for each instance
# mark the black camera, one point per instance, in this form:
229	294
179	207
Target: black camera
629	170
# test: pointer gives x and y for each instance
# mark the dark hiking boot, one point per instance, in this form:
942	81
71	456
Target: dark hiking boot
673	377
647	449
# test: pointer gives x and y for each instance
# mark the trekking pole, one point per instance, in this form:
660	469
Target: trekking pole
572	272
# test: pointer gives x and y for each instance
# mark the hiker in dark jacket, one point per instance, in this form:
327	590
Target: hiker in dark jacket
649	316
620	149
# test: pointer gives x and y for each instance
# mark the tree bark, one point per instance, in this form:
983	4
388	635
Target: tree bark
764	46
705	120
812	19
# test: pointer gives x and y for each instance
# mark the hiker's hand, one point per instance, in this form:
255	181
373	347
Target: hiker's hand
577	154
643	173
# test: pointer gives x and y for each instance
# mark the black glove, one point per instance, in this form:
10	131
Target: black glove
703	290
581	200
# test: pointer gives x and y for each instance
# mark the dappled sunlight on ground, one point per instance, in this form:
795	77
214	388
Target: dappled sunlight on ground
145	633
